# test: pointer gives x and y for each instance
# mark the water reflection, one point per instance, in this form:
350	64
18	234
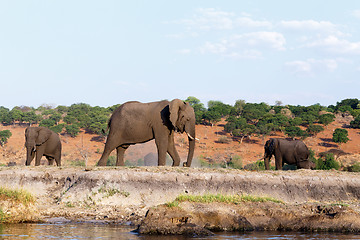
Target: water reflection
80	231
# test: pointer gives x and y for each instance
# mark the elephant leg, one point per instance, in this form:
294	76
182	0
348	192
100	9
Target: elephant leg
39	153
278	163
162	146
109	147
50	160
58	159
172	151
120	155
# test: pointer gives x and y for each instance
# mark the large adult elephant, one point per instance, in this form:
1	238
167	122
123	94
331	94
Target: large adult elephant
41	141
135	122
285	151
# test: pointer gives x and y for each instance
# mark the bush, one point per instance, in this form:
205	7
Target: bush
111	161
257	166
326	119
314	129
235	162
355	123
4	136
340	135
58	128
328	163
354	168
73	130
224	139
47	123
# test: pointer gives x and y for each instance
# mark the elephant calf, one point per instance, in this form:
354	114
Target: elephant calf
41	141
285	151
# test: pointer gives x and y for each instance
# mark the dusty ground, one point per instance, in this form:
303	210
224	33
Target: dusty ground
126	194
90	147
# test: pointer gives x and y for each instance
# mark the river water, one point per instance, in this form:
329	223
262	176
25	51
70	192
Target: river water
85	231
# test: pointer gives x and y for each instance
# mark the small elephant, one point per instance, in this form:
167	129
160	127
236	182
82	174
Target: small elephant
135	122
42	142
285	151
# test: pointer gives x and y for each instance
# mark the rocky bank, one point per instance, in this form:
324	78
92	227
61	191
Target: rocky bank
309	200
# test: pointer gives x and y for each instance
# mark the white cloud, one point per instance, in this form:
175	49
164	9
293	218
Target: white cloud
213	19
184	51
356	13
310	67
248	45
309	25
248	22
335	45
273	40
210	18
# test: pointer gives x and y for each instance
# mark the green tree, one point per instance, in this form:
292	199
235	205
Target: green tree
199	108
4	136
47	123
355	123
239	107
16	115
313	130
58	128
294	131
73	130
340	135
347	104
219	107
5	117
212	117
31	117
254	111
326	119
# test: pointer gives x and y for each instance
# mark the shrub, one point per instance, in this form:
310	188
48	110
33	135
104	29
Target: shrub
340	135
326	119
73	130
47	123
355	123
256	166
354	168
111	161
314	129
235	162
224	139
58	128
328	163
4	136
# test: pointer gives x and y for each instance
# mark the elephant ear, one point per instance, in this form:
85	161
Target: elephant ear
271	145
43	136
174	108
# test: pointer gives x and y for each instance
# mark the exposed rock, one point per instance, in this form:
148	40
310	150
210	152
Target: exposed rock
249	216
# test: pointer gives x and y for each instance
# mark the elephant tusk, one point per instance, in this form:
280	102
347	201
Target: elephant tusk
192	138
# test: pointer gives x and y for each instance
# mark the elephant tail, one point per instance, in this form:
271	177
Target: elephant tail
108	126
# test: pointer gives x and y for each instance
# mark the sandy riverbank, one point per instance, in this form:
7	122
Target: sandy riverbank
126	194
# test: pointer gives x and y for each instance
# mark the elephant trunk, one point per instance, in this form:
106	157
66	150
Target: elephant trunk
267	162
191	138
30	154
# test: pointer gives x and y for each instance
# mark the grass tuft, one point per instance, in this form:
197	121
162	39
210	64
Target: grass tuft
210	198
19	195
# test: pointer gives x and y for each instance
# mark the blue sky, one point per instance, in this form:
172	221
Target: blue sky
108	52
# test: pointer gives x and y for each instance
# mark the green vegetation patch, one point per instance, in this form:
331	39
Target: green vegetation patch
220	198
18	195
